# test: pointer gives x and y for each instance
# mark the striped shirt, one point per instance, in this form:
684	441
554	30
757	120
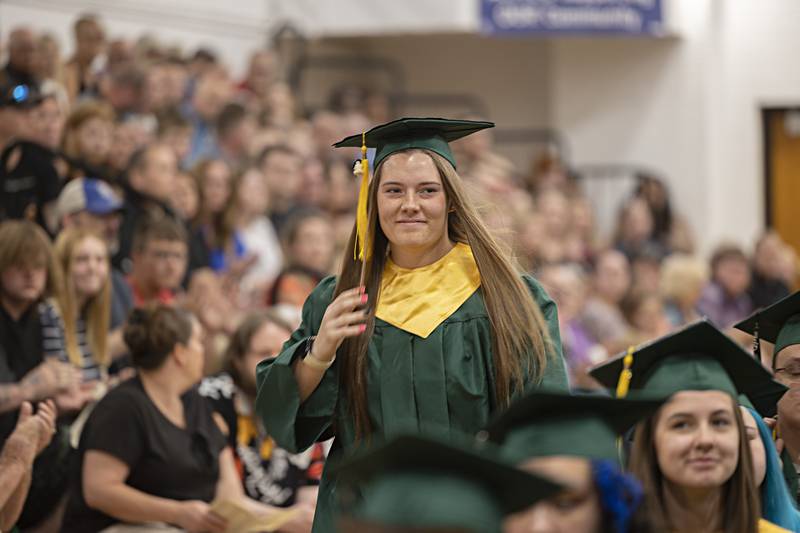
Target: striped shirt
54	343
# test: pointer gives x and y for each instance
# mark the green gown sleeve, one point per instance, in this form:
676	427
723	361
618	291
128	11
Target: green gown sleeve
295	426
555	373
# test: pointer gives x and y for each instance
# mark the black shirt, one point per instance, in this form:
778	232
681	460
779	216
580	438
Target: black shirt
164	460
28	185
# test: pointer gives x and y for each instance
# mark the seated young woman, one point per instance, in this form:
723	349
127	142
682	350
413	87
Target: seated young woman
692	455
152	450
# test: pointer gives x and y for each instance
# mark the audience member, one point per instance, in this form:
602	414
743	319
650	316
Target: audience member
159	260
682	280
724	299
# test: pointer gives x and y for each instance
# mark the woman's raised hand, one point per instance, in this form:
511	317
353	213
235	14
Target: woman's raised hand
345	317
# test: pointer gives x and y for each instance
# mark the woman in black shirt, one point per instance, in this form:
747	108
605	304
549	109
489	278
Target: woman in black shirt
152	450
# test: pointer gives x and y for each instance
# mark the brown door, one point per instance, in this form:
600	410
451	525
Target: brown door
782	165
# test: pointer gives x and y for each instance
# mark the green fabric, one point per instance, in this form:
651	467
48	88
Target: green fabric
431	386
435	501
581	438
406	133
696	357
789	334
543	423
692	372
768	322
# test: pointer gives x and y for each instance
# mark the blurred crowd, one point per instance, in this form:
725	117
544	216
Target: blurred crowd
136	174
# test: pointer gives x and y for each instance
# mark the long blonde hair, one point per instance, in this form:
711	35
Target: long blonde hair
98	307
520	339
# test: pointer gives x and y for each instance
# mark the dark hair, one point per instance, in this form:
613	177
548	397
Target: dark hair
725	252
274	149
296	220
152	333
157	227
231	116
239	343
171	119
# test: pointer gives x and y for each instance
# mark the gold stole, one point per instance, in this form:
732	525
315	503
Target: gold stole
418	300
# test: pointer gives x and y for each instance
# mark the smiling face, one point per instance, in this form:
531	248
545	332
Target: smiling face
89	267
575	509
412	205
697	439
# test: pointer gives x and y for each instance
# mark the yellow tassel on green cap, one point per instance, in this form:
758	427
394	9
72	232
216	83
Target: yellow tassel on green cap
625	376
362	249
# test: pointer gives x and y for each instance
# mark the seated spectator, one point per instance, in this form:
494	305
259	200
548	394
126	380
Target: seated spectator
235	130
48	118
21	66
251	199
767	285
29	276
153	450
176	132
682	280
725	300
80	73
269	474
635	230
212	91
160	252
567	285
602	317
186	198
85	303
644	311
309	244
283	170
670	229
131	134
92	205
30	437
87	139
150	185
29	181
214	223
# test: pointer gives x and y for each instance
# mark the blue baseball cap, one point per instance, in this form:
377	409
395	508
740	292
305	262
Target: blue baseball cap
87	194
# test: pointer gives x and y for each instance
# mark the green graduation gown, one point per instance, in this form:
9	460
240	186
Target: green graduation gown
433	385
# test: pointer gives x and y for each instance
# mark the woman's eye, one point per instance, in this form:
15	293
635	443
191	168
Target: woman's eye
682	424
721	422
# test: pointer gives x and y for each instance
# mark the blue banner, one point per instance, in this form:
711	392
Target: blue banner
576	17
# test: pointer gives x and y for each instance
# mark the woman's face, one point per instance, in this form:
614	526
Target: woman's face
94	139
89	269
216	187
313	245
697	439
575	510
757	451
412	206
253	195
264	344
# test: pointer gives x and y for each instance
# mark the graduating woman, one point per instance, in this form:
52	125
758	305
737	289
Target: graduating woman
693	455
428	328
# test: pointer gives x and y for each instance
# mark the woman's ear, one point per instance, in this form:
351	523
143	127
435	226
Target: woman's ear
180	354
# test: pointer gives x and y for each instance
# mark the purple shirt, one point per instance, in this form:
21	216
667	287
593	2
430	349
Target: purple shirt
722	309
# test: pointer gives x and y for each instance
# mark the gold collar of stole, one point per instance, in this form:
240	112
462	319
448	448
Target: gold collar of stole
418	300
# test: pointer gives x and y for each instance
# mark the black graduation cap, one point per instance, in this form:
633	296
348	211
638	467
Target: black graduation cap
406	133
779	323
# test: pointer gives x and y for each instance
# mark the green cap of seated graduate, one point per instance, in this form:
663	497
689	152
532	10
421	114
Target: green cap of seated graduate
417	483
549	423
696	357
779	323
432	134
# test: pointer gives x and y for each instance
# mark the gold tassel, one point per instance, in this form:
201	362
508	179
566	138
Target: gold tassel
625	376
362	249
